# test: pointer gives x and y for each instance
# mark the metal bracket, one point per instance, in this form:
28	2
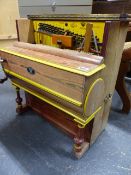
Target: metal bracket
108	97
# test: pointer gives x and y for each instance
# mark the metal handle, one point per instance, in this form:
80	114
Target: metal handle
30	70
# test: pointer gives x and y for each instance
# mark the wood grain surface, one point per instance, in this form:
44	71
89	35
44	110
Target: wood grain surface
63	82
95	97
25	30
114	49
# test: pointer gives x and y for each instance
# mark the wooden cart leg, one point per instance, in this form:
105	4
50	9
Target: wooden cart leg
20	108
80	145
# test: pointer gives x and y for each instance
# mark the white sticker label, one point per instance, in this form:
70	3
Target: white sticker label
83	68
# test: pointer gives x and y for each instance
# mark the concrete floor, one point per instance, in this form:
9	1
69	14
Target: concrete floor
31	146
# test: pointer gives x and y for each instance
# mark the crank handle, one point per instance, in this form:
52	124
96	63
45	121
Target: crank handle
2	60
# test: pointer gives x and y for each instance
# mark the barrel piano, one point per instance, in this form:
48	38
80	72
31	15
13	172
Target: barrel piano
71	89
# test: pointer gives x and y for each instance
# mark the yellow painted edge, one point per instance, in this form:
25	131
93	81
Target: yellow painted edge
90	117
49	102
89	73
76	117
87	96
75	102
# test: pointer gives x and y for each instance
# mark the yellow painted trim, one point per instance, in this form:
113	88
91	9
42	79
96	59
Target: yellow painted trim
87	96
76	71
49	102
89	118
77	118
75	102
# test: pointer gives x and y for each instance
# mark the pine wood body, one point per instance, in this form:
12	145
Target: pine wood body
72	90
114	37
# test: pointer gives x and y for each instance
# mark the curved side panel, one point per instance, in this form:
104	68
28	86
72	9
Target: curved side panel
95	97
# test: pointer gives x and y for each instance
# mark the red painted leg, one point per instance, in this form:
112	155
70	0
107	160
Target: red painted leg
80	145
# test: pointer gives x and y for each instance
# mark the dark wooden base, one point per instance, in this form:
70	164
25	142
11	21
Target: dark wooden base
84	148
81	136
22	109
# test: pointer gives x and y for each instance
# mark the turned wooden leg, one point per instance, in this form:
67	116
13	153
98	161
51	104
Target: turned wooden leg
20	108
18	101
121	87
80	145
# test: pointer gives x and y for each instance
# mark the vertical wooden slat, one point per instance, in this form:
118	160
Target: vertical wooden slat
88	36
114	48
25	30
114	51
